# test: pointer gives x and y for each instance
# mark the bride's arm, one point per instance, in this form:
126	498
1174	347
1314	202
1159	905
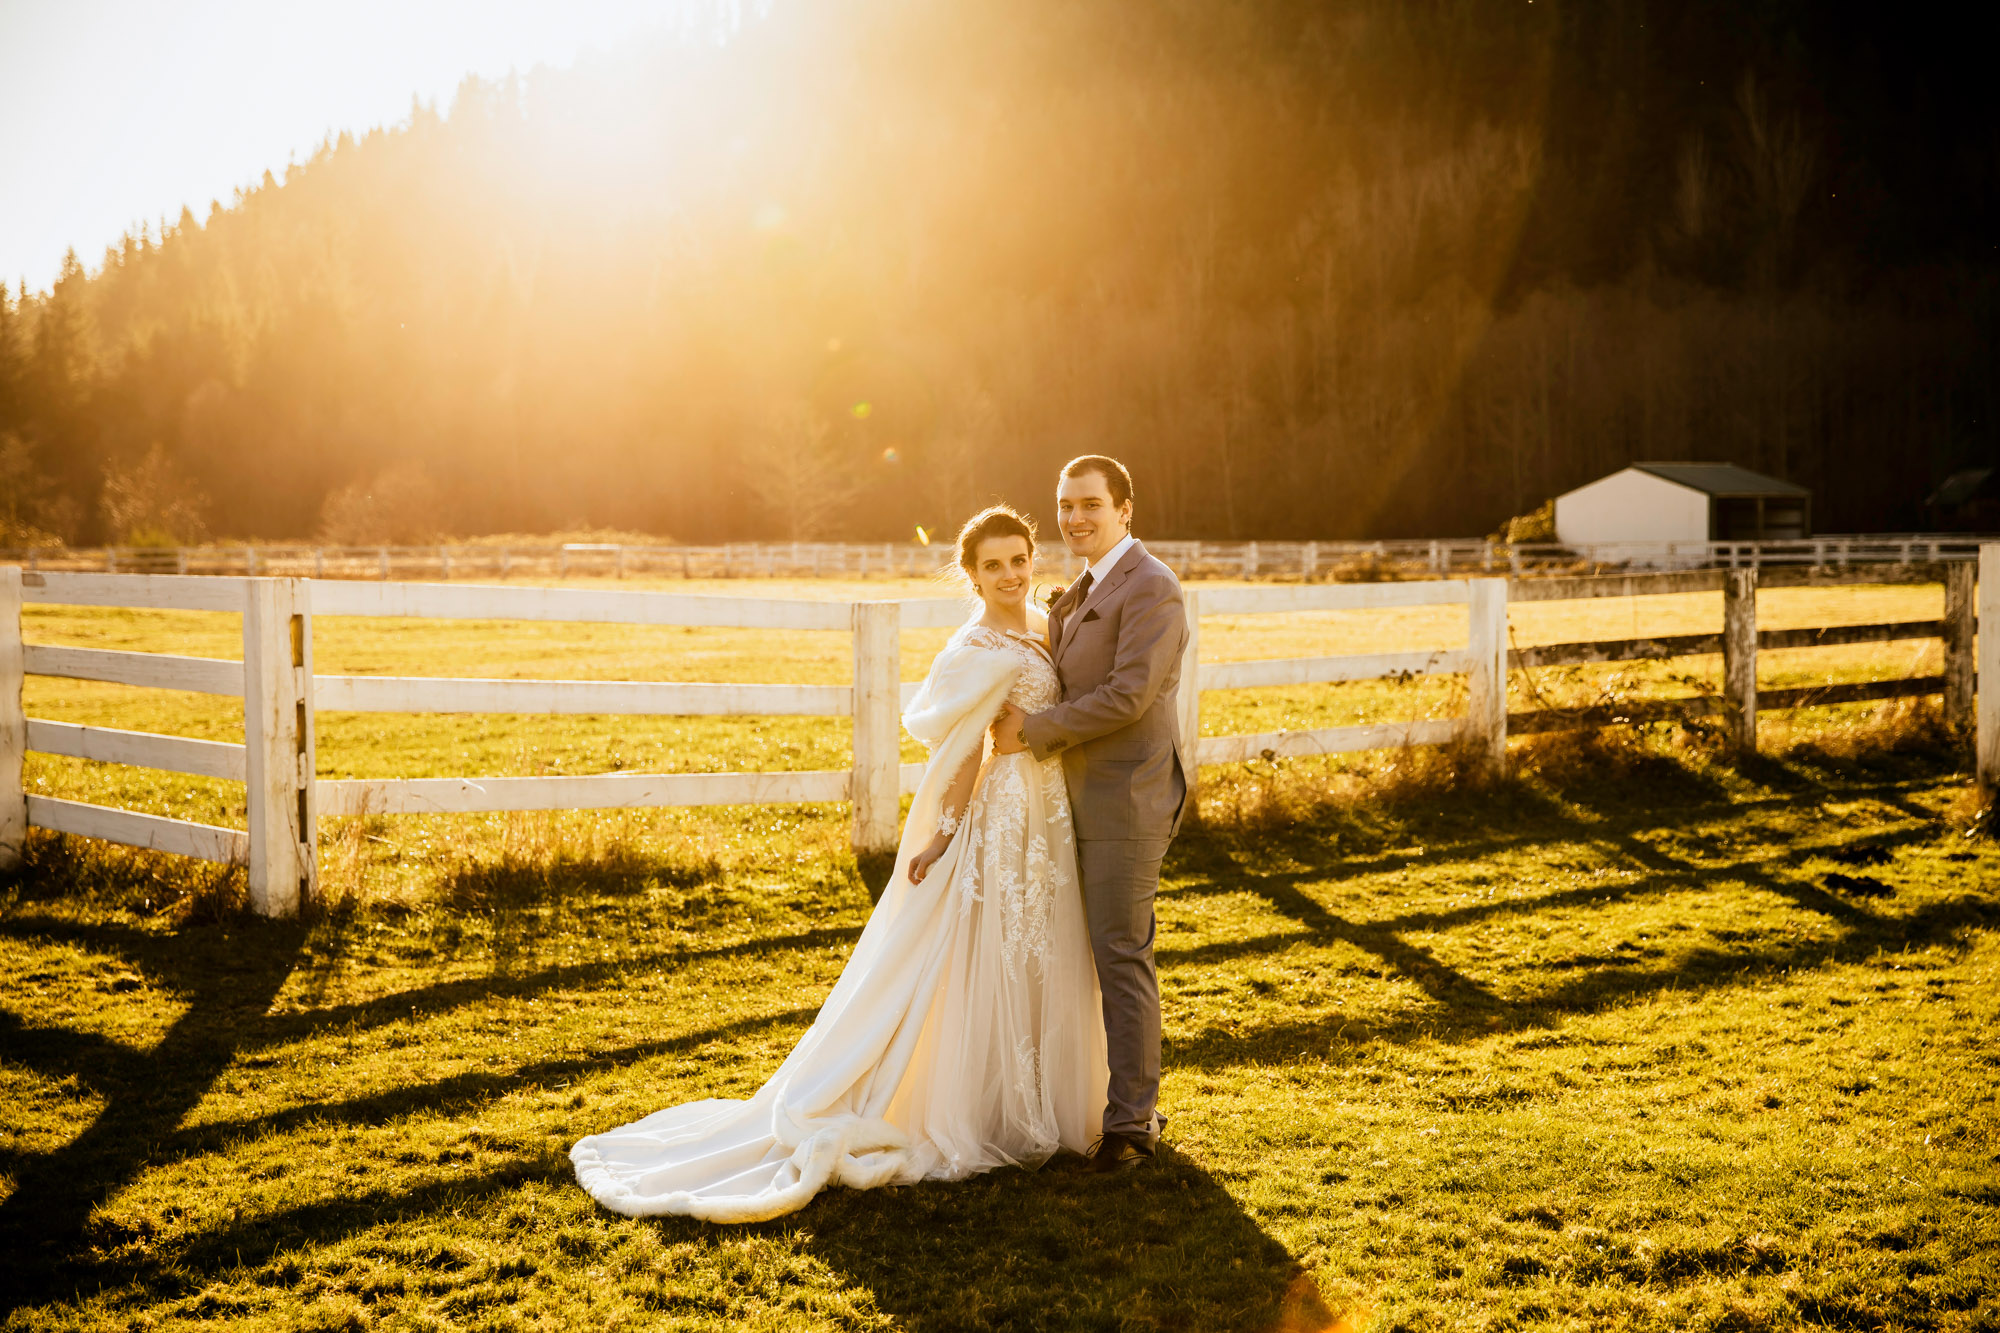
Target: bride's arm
957	799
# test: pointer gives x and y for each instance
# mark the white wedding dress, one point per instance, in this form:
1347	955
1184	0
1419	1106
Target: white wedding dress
965	1032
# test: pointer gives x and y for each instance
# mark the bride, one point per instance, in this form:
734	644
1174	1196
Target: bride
965	1032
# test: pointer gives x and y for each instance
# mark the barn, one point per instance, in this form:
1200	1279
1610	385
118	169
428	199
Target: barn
1683	502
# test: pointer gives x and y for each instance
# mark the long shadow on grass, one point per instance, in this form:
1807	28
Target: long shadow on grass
253	1240
1601	988
1164	1248
465	1093
1167	1247
1463	1006
444	996
229	977
1465	1009
1511	820
1384	937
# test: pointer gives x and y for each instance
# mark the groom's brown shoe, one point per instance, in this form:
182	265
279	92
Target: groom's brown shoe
1120	1152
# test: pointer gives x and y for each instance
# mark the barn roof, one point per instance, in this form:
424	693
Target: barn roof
1723	479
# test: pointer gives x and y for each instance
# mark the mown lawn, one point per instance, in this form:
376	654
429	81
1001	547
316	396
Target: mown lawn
1635	1040
1607	1047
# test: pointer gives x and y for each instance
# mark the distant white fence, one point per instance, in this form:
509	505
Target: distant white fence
282	693
1441	558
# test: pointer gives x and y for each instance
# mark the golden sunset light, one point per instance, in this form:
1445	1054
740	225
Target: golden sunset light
1299	666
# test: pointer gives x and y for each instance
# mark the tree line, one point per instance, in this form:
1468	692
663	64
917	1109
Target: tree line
1313	268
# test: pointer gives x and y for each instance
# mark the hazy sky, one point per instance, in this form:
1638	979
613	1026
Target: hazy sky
114	112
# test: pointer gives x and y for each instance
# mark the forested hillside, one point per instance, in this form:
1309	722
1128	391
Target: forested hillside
1315	268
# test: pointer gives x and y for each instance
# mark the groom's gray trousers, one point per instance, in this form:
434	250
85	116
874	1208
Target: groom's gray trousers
1120	877
1118	651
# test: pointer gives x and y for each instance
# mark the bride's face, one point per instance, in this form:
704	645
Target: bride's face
1003	568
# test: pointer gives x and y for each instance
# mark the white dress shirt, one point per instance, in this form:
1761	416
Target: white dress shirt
1099	568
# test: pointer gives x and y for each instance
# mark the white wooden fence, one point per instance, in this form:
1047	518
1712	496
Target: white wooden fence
275	761
282	693
1440	558
1483	661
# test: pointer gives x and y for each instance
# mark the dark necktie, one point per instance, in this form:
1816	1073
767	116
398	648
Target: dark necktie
1083	588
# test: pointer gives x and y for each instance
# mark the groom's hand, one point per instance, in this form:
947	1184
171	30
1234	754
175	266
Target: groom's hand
1008	737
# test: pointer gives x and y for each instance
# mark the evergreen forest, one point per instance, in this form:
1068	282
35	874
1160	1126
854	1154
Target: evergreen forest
1313	268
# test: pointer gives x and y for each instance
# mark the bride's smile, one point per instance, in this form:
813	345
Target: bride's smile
1003	573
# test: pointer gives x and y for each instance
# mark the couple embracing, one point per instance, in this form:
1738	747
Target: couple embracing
1002	1005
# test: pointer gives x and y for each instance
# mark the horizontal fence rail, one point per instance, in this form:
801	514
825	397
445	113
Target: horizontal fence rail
1697	645
426	694
160	671
281	693
602	791
140	749
1698	706
1330	670
183	837
1327	740
1425	558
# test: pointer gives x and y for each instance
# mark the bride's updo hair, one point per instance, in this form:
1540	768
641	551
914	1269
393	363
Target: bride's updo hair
993	521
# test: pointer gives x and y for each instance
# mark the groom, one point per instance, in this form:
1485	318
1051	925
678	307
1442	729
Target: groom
1116	635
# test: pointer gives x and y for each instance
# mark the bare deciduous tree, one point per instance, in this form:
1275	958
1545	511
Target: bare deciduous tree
802	477
402	506
152	502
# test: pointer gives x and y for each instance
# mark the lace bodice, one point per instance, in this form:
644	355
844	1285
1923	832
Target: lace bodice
1020	804
1037	688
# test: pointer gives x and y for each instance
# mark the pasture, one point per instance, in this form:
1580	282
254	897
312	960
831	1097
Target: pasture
1638	1039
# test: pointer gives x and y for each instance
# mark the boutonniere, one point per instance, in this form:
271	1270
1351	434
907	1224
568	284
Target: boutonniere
1053	594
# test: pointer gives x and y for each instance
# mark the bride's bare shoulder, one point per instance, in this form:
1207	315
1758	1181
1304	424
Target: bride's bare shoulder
1038	623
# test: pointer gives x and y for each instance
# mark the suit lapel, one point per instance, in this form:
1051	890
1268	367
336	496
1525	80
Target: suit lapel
1059	611
1120	571
1100	591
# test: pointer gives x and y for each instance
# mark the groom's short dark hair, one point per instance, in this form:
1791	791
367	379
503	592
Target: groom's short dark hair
1116	479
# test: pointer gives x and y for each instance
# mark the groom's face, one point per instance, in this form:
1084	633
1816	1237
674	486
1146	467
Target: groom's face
1091	524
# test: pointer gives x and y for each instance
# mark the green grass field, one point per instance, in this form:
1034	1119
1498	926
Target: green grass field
1637	1039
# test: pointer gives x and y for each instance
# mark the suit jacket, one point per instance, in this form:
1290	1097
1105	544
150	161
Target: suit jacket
1117	728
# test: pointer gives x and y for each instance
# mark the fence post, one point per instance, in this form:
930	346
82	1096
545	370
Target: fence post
1189	701
1988	683
1960	618
1739	657
13	721
278	741
1486	678
875	787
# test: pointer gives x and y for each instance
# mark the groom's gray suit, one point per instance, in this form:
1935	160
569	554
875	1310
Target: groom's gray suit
1118	652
